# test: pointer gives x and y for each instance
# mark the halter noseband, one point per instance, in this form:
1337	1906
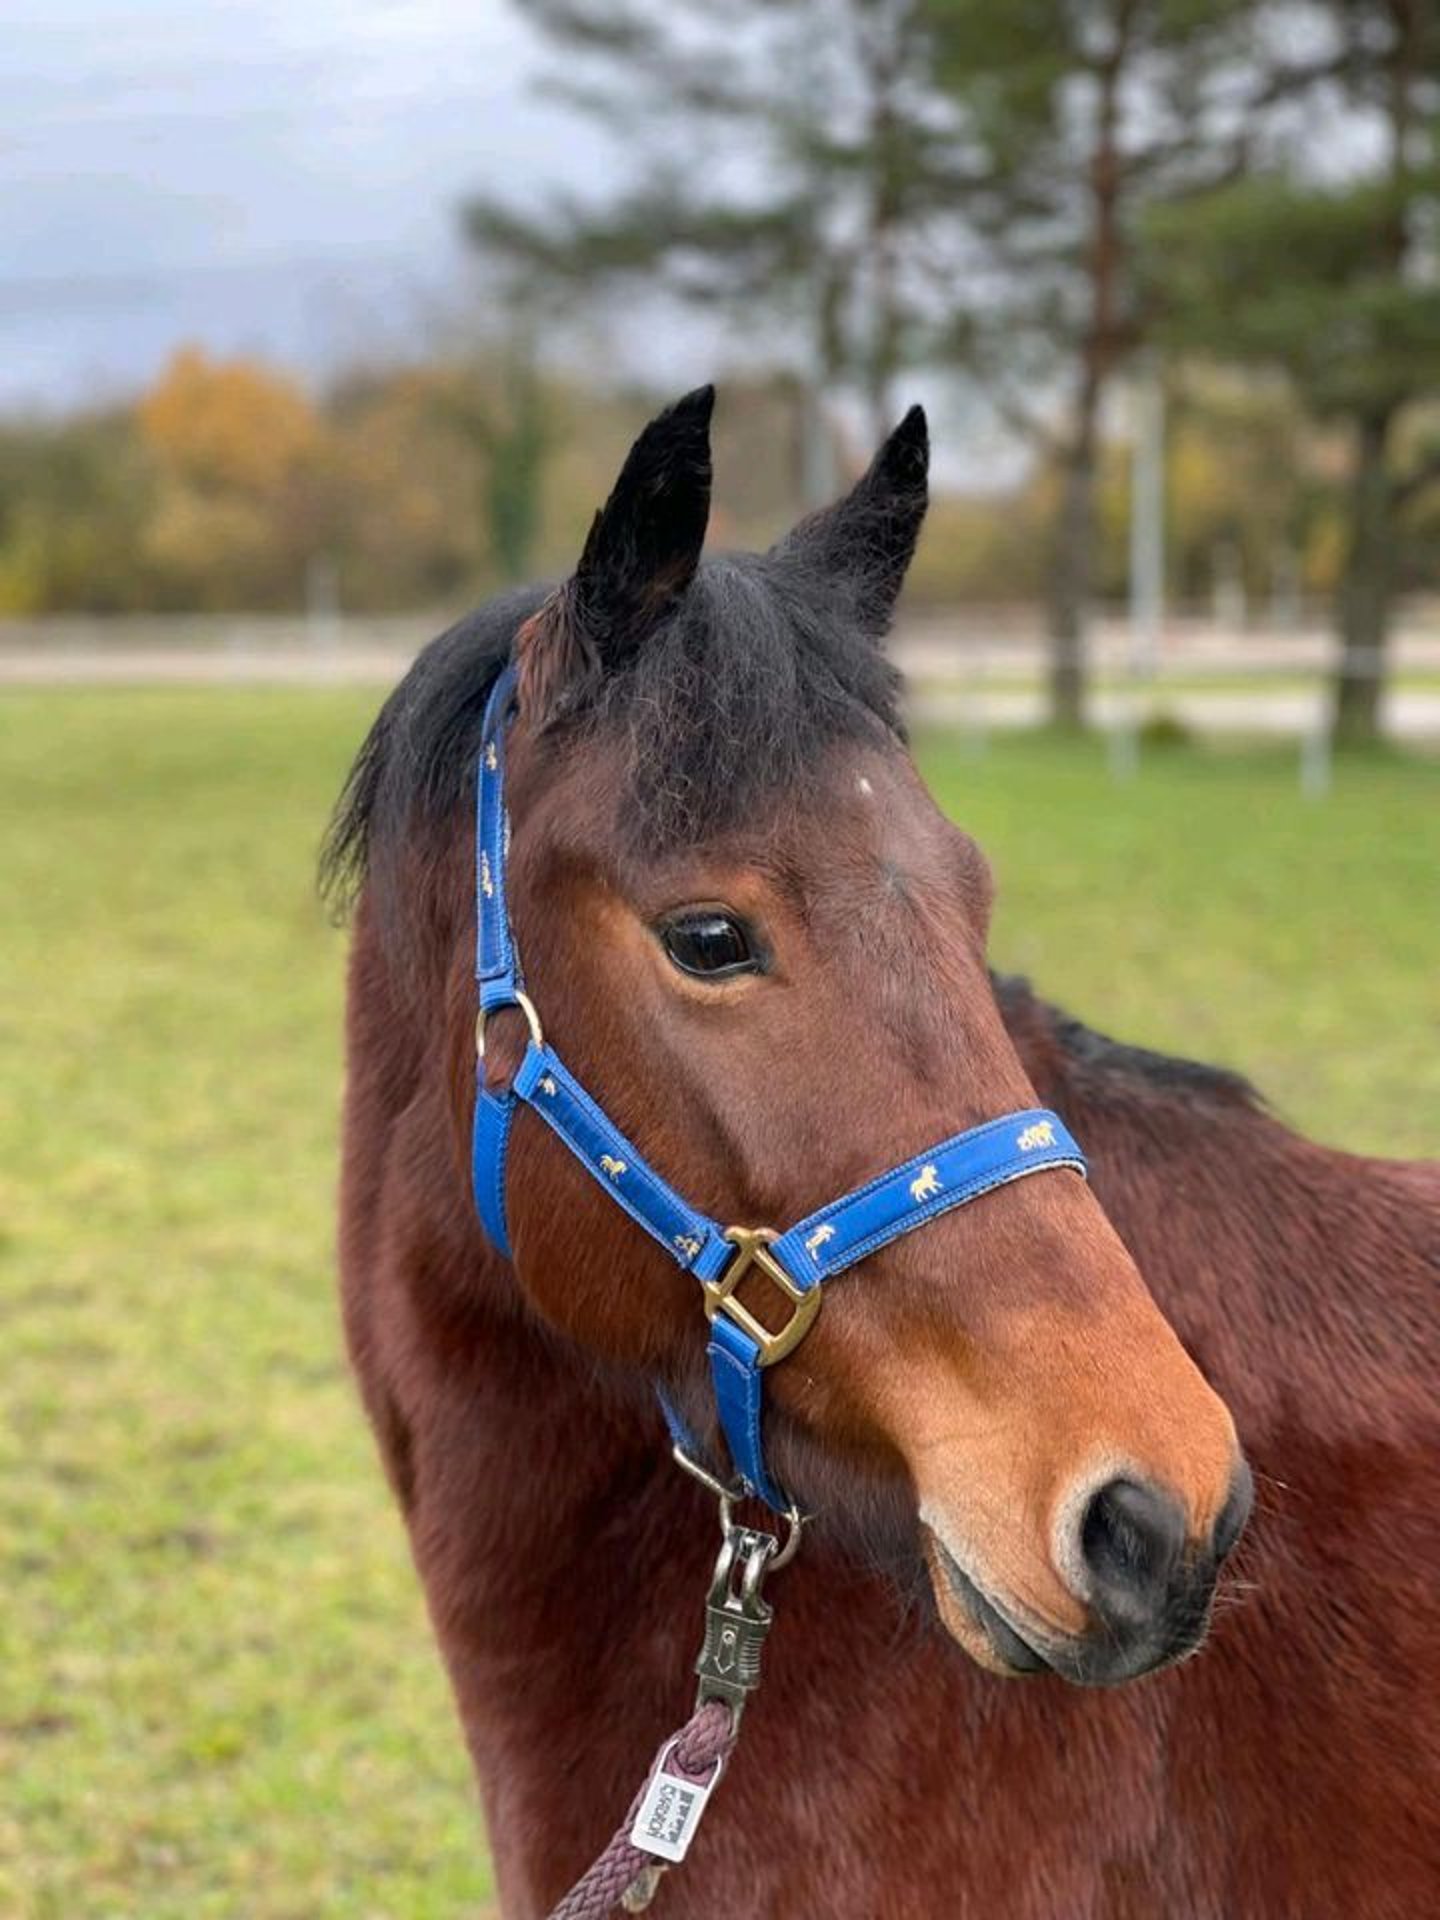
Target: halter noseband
796	1262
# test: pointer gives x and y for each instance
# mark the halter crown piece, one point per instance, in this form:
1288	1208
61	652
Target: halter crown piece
797	1262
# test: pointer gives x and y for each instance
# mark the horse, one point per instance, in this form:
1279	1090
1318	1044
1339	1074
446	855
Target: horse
762	948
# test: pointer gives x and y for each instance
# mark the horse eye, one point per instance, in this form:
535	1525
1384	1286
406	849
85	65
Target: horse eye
710	944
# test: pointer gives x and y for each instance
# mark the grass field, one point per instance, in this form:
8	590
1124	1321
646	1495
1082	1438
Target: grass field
217	1693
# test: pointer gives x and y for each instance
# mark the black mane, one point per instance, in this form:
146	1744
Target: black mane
1104	1067
414	762
730	699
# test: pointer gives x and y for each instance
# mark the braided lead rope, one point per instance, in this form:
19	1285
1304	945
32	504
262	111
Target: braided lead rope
706	1739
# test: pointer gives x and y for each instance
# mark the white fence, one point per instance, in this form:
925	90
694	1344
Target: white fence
979	672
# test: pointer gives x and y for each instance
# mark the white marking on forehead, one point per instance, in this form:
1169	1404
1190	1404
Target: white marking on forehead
862	785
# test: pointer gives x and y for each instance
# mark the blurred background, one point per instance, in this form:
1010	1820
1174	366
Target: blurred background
317	325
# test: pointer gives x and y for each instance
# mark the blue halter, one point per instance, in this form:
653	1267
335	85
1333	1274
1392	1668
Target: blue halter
797	1262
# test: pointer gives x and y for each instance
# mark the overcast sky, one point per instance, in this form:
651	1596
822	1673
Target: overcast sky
278	175
282	177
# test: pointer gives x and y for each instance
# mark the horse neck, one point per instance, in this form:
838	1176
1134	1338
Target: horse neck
1297	1275
558	1437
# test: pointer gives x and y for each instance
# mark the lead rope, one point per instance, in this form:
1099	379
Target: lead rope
664	1815
625	1875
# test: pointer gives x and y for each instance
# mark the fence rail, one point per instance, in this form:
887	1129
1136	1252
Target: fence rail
981	671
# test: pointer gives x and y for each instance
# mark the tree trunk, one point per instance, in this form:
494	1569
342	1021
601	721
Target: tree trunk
1070	574
1073	561
818	474
881	51
1366	590
515	472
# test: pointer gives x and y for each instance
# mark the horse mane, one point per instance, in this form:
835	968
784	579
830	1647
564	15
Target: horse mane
1105	1071
761	663
420	748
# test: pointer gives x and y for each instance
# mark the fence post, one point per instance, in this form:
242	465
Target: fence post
1317	762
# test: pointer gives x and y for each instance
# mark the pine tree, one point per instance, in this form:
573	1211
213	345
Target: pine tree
876	184
785	158
1336	282
1085	113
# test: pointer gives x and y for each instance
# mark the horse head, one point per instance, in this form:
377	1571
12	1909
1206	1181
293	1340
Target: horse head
759	944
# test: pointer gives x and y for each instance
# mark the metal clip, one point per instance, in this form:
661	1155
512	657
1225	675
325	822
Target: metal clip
729	1494
737	1619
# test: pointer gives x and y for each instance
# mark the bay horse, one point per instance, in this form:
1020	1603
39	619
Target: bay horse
762	947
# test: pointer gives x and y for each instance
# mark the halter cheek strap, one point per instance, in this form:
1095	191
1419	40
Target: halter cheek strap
795	1264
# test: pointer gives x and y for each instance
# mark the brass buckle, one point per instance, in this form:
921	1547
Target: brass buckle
751	1250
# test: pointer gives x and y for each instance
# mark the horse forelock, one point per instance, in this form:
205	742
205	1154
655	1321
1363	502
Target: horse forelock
730	702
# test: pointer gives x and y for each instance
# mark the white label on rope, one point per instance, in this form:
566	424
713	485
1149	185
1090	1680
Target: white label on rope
670	1812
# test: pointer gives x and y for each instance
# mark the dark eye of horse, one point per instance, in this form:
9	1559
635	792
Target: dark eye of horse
710	944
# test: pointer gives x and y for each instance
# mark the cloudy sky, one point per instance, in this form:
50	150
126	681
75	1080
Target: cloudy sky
270	174
282	177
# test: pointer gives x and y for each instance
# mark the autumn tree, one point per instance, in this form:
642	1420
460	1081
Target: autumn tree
245	497
409	532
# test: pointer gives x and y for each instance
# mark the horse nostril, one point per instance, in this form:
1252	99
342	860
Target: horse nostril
1130	1539
1231	1524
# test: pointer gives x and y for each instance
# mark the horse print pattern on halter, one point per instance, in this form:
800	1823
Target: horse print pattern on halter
927	1184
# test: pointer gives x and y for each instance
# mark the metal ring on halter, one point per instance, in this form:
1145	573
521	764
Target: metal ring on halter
738	1489
526	1006
794	1521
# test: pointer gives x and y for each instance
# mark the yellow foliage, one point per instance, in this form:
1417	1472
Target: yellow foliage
1324	554
990	548
410	530
215	551
1201	481
229	424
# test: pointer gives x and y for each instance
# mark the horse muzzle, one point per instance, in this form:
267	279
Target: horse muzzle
1147	1590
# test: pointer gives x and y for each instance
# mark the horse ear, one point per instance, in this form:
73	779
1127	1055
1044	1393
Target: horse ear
868	538
641	554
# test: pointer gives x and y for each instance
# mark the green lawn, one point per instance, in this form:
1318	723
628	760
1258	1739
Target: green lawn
1207	908
217	1693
